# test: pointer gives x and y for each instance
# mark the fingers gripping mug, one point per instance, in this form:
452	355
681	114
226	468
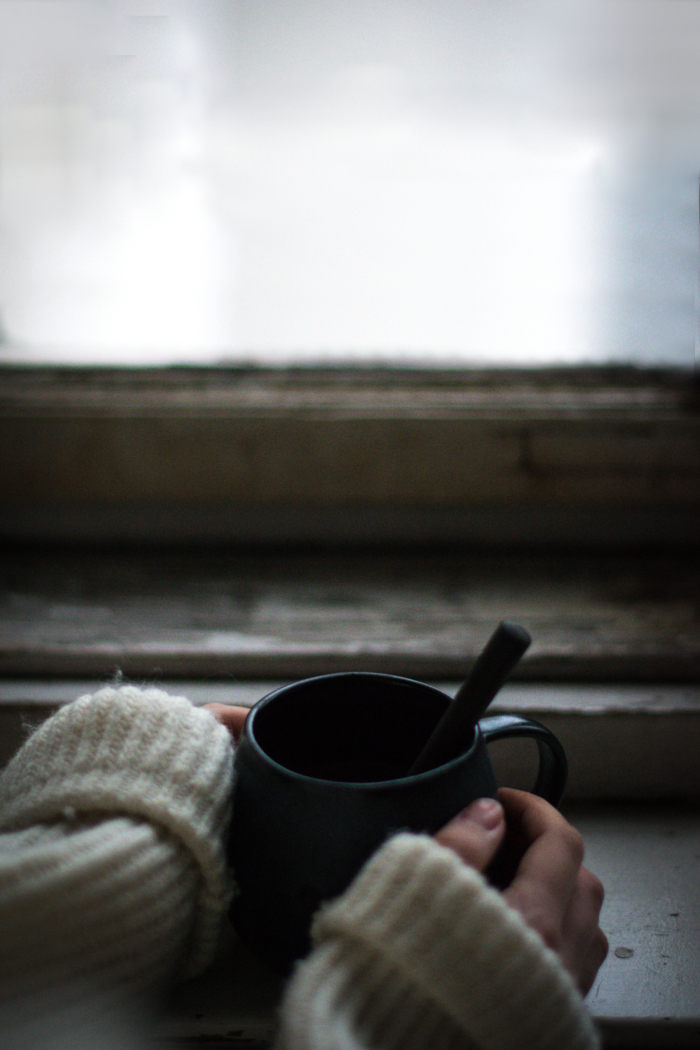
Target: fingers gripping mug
321	783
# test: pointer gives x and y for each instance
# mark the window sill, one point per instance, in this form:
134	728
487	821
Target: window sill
646	1000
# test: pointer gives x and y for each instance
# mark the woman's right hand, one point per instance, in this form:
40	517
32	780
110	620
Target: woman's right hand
551	889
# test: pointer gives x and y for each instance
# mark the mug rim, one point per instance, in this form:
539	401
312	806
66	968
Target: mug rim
427	774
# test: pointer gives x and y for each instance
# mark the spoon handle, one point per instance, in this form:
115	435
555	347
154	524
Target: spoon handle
453	732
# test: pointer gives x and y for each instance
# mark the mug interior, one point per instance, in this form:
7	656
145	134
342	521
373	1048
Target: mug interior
354	728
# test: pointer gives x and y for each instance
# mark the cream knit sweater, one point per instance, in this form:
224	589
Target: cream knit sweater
113	877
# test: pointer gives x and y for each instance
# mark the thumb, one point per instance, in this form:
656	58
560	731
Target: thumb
476	833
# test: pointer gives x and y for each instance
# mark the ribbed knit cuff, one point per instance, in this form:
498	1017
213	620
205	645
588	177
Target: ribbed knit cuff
137	752
420	911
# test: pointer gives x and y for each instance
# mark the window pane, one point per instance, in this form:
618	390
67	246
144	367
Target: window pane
453	182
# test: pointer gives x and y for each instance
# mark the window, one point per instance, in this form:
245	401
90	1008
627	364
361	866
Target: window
428	184
308	453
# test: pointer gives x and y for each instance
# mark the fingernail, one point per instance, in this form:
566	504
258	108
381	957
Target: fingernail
485	811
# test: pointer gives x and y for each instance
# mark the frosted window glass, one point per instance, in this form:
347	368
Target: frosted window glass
448	182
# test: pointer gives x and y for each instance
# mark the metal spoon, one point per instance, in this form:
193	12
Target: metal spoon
453	732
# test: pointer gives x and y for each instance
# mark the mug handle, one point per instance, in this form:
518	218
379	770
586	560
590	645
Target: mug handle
553	771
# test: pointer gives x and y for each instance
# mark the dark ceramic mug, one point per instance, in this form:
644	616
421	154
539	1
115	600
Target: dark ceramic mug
321	783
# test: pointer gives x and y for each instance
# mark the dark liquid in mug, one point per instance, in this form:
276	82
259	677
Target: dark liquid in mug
356	732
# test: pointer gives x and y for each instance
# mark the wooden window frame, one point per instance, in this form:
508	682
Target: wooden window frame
562	460
570	456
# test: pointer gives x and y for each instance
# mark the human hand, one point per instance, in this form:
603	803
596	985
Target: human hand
231	717
551	889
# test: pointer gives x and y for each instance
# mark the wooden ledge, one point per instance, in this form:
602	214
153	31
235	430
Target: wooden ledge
622	742
285	614
358	390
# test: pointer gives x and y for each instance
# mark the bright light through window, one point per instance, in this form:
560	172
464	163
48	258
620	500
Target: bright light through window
256	180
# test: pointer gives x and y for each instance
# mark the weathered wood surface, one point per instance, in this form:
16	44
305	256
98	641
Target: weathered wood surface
565	391
194	614
551	527
316	438
647	994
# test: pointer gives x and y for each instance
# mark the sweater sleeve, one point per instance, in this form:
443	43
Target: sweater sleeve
112	871
112	826
420	952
